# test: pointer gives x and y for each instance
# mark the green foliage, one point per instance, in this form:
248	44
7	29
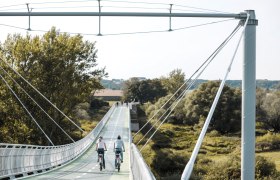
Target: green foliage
158	109
260	97
228	168
174	81
143	91
268	142
168	162
97	103
219	156
270	106
227	114
60	66
265	168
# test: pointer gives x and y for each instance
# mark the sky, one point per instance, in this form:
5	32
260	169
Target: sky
153	55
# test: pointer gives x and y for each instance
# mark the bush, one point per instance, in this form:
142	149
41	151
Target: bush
264	168
269	141
224	169
214	133
97	103
166	162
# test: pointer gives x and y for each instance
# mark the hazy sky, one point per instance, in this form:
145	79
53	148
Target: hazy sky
153	55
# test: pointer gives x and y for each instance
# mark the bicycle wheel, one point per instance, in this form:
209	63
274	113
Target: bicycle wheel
100	166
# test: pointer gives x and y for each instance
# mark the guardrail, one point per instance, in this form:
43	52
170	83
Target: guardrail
139	168
19	160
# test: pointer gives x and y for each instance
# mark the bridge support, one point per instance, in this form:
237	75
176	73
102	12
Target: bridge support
249	100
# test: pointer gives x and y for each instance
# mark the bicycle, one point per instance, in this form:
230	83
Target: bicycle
118	160
101	160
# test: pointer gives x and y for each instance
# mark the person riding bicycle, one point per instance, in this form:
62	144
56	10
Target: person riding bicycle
119	146
100	148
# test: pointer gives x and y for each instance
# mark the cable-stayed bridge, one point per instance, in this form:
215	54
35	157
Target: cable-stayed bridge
78	159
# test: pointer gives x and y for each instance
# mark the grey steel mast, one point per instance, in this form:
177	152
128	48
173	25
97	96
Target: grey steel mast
249	100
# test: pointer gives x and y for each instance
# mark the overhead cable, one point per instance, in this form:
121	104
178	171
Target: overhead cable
61	2
12	5
13	26
66	2
43	96
135	7
197	8
26	109
169	114
126	33
161	31
68	7
136	2
209	59
36	103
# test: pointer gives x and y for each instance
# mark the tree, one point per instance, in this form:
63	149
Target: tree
174	81
227	115
60	66
144	90
260	97
130	89
271	106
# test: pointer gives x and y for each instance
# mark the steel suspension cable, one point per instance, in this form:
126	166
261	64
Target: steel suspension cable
189	167
26	109
185	91
172	108
162	122
127	33
42	95
37	104
211	57
178	98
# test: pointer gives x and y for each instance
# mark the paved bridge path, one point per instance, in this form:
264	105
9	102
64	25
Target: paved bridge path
86	166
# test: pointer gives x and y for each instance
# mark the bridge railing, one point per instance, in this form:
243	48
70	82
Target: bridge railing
18	160
139	168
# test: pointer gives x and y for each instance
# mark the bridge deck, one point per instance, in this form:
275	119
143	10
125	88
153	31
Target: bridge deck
86	166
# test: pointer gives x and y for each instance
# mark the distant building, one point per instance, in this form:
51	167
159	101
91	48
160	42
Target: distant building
109	94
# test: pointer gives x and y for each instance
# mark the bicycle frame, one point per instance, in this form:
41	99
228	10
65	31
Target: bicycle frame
101	161
118	160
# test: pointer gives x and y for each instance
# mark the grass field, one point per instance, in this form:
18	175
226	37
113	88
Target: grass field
272	156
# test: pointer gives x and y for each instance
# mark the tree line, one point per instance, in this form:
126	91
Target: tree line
194	107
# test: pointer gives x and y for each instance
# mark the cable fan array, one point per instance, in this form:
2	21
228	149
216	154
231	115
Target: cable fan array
177	97
2	69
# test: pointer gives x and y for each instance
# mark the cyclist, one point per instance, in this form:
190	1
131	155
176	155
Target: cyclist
119	146
100	148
